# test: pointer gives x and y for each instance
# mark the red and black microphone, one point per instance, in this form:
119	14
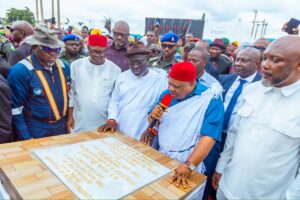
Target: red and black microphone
164	103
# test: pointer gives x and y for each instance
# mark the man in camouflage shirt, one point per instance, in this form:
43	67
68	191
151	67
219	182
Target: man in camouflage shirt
6	47
167	59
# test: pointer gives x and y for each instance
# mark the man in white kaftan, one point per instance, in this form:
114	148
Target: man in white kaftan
92	82
135	93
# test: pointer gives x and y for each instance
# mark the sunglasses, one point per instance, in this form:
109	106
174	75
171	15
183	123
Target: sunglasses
155	51
259	48
117	34
49	50
170	46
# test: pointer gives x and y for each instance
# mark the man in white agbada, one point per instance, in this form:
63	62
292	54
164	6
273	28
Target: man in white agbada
192	123
261	156
92	81
135	93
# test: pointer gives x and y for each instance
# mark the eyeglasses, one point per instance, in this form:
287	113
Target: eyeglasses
49	50
170	46
12	30
117	34
94	52
73	44
260	48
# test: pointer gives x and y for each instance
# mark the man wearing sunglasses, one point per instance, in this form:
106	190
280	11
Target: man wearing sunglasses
169	47
71	52
39	89
20	30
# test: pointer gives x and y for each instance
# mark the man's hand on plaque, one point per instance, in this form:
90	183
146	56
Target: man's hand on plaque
147	137
109	126
182	176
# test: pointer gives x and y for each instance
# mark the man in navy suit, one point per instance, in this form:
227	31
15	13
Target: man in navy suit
246	64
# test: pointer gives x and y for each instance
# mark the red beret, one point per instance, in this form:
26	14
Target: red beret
183	71
97	40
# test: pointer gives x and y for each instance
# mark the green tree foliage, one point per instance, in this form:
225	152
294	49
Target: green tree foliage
14	14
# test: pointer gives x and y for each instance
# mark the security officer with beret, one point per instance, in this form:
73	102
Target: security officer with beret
169	47
71	52
39	89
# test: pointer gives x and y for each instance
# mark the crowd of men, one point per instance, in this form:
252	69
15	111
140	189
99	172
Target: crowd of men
230	112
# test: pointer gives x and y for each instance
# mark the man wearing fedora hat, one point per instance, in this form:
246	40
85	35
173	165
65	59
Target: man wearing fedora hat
134	94
92	81
39	89
219	60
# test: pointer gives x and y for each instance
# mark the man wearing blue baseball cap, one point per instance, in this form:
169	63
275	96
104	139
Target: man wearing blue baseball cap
71	52
169	47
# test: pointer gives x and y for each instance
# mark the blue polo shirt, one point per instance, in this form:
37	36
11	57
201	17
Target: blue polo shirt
213	119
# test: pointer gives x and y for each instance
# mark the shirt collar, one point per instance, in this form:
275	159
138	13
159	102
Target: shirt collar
287	90
249	79
203	77
37	64
198	89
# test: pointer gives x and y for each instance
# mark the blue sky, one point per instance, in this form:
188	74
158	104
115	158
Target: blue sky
230	18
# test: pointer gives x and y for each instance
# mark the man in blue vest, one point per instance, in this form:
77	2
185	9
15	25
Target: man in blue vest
39	89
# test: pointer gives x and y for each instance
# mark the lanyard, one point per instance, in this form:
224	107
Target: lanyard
49	92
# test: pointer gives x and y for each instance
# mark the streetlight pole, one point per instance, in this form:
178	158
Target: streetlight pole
37	10
254	21
265	29
42	11
262	28
257	25
58	13
52	1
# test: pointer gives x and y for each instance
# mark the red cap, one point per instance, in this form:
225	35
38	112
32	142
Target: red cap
166	101
97	40
183	71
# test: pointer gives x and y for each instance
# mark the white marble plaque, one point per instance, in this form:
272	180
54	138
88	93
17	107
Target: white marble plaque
101	169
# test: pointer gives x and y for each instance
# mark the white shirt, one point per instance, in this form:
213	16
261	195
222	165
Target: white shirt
262	151
89	95
133	97
231	91
207	79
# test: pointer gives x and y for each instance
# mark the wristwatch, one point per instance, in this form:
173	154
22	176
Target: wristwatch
190	165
